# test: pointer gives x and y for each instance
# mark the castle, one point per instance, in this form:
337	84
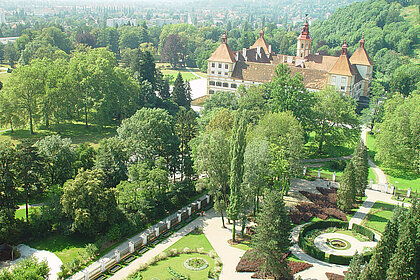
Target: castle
227	70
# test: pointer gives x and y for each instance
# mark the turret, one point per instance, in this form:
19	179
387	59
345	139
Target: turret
304	41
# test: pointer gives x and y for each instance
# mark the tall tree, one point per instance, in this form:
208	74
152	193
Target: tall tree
403	261
287	93
59	156
347	191
173	51
186	128
271	240
355	267
212	158
237	150
88	203
8	190
382	253
361	168
112	158
335	118
180	92
10	54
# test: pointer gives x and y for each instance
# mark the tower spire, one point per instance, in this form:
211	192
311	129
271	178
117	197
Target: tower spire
224	38
344	48
362	41
304	34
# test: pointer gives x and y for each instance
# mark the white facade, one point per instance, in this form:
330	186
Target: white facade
114	22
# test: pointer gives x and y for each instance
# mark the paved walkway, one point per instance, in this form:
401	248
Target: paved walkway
217	236
355	245
317	272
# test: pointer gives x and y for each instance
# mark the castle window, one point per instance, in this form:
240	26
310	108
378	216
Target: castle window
211	91
220	65
302	46
212	65
226	73
333	79
212	83
220	73
225	85
343	88
226	66
301	54
343	80
233	85
219	84
212	72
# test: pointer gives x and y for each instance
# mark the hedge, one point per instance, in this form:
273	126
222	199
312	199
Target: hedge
363	231
313	251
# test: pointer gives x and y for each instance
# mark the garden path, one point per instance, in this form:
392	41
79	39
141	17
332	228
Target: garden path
355	245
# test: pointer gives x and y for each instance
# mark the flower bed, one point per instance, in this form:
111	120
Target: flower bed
323	206
251	263
196	264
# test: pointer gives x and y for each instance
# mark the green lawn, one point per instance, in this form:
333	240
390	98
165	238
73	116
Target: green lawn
21	213
372	175
76	131
4	77
193	241
404	178
246	245
378	216
186	74
344	149
159	270
326	172
65	247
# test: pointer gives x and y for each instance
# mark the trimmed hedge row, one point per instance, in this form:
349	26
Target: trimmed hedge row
363	231
313	251
310	248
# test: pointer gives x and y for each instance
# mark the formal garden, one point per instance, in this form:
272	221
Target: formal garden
191	257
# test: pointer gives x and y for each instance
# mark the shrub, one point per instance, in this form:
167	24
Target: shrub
338	165
114	233
344	260
363	231
333	276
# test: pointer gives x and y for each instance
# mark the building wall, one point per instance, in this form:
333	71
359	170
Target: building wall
217	83
220	69
341	83
305	50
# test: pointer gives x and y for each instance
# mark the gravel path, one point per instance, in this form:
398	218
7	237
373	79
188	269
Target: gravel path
321	243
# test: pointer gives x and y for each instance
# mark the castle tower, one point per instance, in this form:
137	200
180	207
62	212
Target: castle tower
304	41
364	65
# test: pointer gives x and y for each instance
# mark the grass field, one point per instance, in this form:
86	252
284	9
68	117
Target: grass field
344	149
159	270
65	247
76	131
326	172
404	178
378	216
21	213
4	77
173	73
192	241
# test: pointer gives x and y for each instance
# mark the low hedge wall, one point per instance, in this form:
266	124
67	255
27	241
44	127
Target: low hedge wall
313	251
363	231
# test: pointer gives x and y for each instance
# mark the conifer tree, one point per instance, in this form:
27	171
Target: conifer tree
346	192
379	263
403	262
179	92
237	150
355	267
361	168
272	237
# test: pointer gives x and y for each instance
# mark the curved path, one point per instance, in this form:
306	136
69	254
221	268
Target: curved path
319	268
356	246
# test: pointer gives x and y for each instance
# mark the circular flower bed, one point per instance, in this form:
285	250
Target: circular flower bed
196	263
338	244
